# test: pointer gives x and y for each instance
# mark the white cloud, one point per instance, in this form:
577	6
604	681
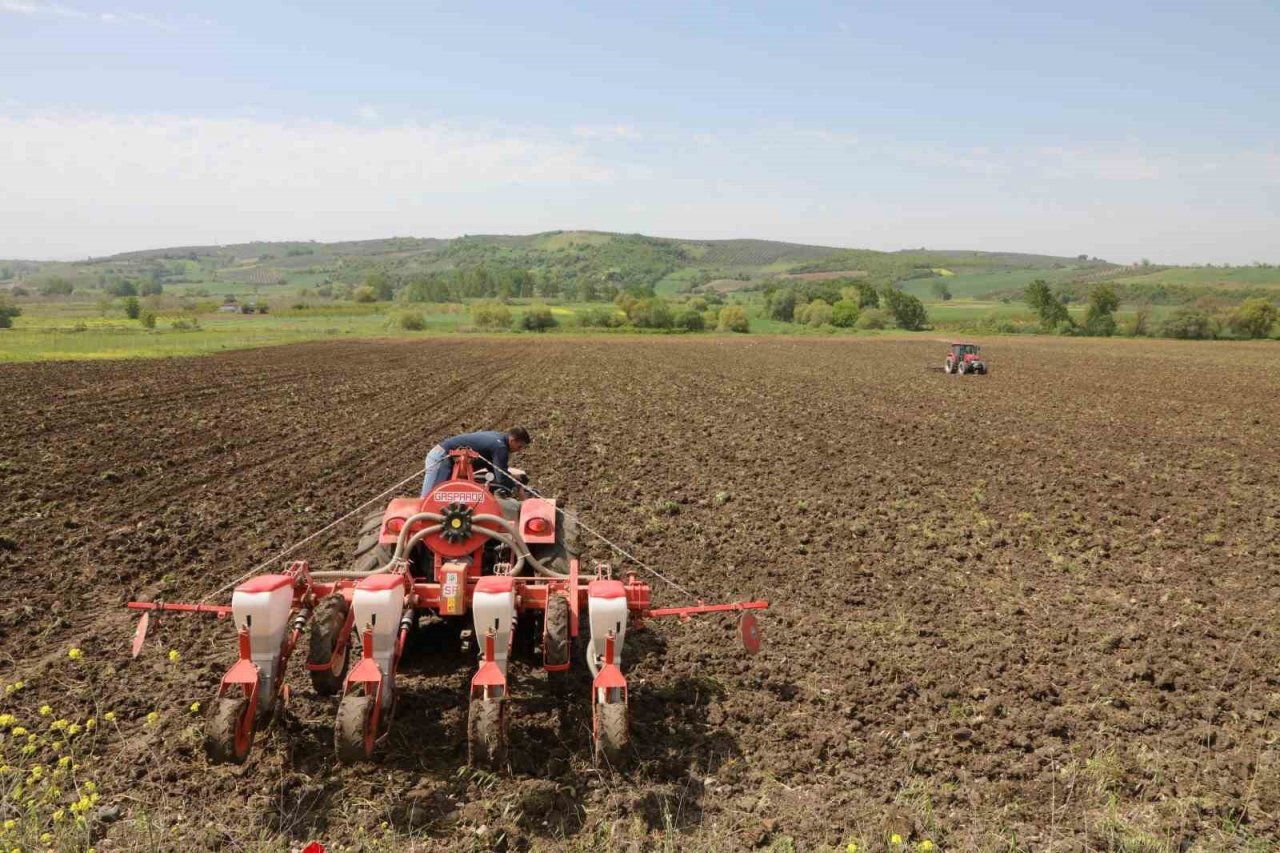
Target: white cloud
77	184
53	10
33	9
606	131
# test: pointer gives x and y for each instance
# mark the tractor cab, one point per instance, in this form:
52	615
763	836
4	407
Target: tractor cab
965	358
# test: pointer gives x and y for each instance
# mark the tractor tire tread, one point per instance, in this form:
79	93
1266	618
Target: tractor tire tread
220	732
351	726
486	739
614	741
326	626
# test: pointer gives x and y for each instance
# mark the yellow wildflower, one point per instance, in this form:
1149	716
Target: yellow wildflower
75	654
73	729
19	731
925	846
895	839
110	716
7	720
57	746
45	710
90	724
174	656
64	761
195	707
851	848
58	725
10	824
46	837
152	718
58	816
90	786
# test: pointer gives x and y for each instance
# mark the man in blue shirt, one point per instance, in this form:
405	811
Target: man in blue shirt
493	446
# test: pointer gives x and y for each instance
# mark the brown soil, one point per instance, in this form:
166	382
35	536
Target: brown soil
1033	610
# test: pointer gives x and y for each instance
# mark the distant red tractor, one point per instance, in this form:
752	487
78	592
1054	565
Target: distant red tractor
965	358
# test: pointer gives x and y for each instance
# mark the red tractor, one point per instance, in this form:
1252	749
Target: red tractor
488	562
965	358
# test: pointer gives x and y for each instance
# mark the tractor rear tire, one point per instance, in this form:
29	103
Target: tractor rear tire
228	737
353	733
326	632
613	740
556	642
371	555
487	733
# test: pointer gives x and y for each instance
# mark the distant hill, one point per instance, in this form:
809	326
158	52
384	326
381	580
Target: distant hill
609	260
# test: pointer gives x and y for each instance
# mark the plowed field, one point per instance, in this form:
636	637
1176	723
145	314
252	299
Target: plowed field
1033	610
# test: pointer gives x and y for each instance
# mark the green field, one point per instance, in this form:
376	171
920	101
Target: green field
977	285
323	290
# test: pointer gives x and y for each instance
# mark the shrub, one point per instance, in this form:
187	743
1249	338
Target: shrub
1254	319
845	313
7	312
1140	326
132	307
816	313
697	303
873	318
57	286
1099	317
491	315
733	319
1048	308
262	307
538	318
148	320
364	294
599	318
908	312
413	321
151	288
781	304
124	287
186	324
1188	324
650	314
690	321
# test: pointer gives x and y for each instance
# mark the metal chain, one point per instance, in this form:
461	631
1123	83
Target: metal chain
627	554
564	513
296	545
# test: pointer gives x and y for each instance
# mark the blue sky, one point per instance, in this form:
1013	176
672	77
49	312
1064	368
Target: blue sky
1123	130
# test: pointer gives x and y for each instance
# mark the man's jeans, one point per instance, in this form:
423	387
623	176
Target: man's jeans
439	467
